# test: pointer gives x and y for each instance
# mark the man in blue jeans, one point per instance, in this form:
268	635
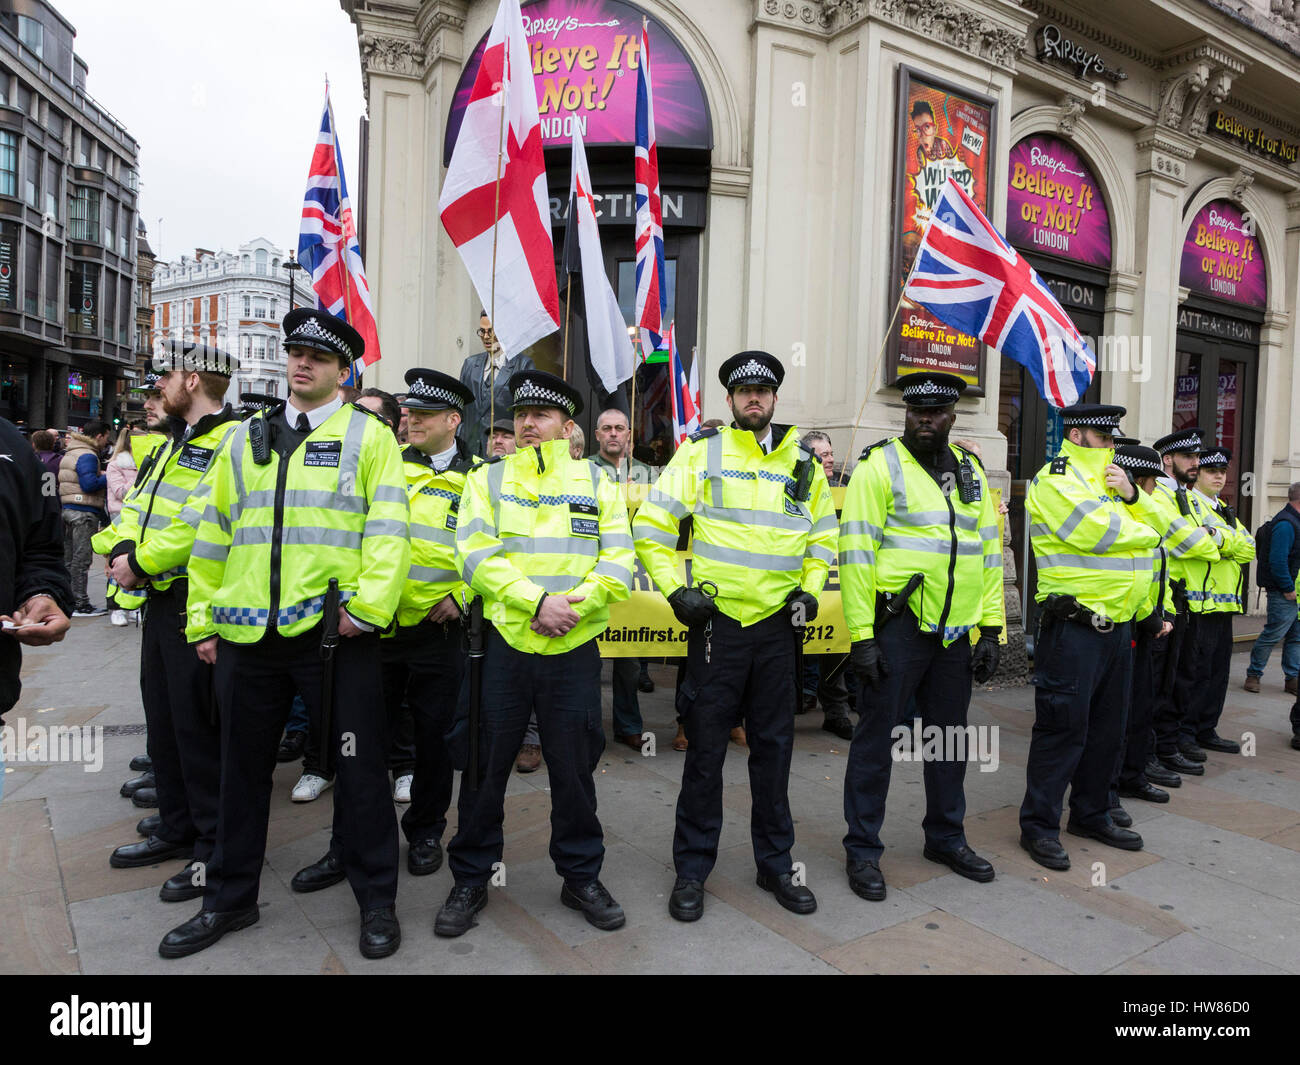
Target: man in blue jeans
1277	576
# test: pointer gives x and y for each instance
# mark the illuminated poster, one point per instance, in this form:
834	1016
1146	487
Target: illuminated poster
1053	204
942	132
1221	256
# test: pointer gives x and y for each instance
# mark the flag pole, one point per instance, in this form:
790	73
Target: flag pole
568	302
871	380
496	224
631	421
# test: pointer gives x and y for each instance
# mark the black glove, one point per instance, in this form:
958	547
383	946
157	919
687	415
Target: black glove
797	599
1150	625
984	659
868	662
691	606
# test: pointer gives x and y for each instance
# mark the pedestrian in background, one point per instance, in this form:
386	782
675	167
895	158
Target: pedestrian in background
83	493
1279	562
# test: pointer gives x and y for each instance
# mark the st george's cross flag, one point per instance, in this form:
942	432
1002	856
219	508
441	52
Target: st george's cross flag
607	341
651	275
474	211
327	241
967	275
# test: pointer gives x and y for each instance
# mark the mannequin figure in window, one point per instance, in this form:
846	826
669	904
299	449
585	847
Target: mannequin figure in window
476	374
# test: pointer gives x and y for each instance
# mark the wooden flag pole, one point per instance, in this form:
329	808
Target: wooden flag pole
496	223
568	306
631	420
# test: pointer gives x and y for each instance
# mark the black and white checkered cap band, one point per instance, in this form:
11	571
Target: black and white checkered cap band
531	394
930	390
1094	421
1138	464
311	329
753	368
189	357
421	389
1190	442
1213	458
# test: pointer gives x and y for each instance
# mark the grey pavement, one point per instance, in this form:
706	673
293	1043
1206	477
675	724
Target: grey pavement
1216	890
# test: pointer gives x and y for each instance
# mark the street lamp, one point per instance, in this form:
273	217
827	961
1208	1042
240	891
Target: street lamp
292	265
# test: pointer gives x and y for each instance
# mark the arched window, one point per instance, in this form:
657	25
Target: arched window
246	262
259	258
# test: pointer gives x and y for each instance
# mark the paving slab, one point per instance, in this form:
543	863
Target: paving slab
1189	954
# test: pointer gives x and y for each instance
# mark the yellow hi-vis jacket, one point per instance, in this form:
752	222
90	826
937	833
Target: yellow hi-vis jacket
273	535
106	540
1087	541
1185	541
151	515
898	521
751	537
537	522
435	511
143	444
1218	587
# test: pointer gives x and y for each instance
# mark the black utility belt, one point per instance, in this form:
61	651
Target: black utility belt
1068	608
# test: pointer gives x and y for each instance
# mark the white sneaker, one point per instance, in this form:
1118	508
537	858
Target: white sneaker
402	788
309	788
118	617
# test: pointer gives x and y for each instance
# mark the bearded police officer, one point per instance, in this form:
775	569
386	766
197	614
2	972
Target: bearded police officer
764	540
543	538
306	507
1092	547
920	568
1188	544
155	537
1214	594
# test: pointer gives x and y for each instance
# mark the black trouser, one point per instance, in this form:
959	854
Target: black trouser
625	673
1213	661
1167	715
750	679
833	686
940	679
256	684
422	667
401	728
184	738
1130	766
1082	677
564	690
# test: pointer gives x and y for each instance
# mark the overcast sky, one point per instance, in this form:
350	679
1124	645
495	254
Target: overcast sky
225	100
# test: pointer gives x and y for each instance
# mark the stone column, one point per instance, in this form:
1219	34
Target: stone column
59	398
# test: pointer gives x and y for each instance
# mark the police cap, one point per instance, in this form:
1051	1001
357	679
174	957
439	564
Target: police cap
751	368
930	389
432	390
536	388
309	328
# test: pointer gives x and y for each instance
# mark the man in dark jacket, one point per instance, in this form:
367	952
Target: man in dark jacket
35	595
1277	574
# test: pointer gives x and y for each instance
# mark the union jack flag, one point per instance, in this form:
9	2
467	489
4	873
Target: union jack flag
651	284
967	275
327	241
685	393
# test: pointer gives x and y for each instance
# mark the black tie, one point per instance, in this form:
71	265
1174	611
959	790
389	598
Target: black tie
304	426
763	448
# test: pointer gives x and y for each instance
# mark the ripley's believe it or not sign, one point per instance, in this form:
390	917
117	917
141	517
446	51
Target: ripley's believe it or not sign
1221	257
585	55
1053	204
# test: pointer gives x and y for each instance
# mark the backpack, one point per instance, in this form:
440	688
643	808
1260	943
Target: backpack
1263	543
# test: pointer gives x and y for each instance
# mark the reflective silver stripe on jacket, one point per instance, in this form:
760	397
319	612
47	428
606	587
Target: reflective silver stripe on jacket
431	575
551	545
748	559
1125	565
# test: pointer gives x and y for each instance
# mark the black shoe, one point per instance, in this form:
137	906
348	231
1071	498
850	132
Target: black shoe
149	851
381	935
141	763
963	861
144	780
1180	763
866	881
457	914
291	747
1119	816
1112	835
840	726
204	929
596	903
1215	742
1046	852
148	826
1148	792
1191	751
424	857
181	887
644	683
146	798
322	874
1161	777
686	903
794	897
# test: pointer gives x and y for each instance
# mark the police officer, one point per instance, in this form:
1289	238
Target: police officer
920	568
1152	625
1187	543
1214	593
423	660
543	538
251	403
311	492
1093	553
764	540
154	540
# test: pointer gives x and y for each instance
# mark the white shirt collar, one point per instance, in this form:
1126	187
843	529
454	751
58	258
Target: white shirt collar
766	442
443	459
314	417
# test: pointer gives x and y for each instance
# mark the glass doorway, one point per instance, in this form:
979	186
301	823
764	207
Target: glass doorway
1214	388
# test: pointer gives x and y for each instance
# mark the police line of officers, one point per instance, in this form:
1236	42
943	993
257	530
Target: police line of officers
239	532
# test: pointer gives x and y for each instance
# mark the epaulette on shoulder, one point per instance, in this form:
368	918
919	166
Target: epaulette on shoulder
486	462
374	414
967	451
704	434
872	447
1060	464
